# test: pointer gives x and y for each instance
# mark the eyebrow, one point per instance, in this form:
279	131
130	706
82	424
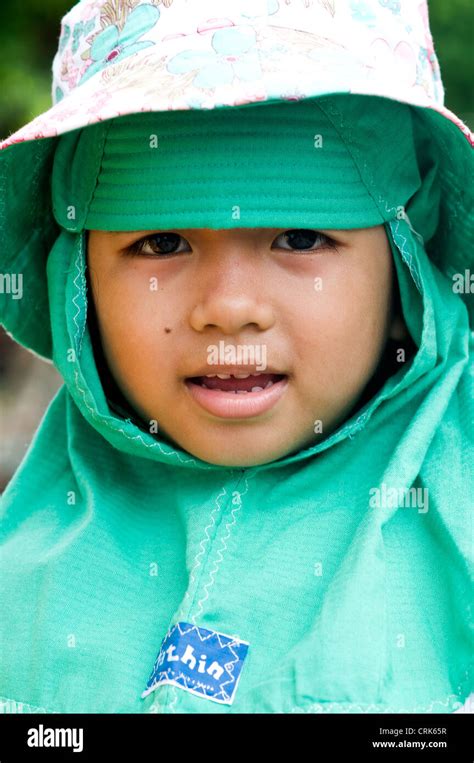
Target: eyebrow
263	229
116	233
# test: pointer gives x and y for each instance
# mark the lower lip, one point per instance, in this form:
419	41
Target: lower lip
229	405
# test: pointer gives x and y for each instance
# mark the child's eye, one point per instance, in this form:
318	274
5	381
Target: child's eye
164	244
167	241
304	239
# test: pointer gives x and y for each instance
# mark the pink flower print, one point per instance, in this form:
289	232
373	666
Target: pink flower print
428	53
97	104
69	73
398	63
243	101
65	113
48	134
423	12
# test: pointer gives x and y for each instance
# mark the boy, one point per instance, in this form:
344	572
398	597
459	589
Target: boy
172	547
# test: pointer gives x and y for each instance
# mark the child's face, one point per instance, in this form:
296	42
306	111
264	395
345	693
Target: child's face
317	314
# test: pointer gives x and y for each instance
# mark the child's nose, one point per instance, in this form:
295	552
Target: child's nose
232	312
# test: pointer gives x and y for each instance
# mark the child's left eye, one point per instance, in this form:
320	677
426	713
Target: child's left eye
301	238
304	239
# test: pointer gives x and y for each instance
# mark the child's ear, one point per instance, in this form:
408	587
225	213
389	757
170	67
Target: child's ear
398	329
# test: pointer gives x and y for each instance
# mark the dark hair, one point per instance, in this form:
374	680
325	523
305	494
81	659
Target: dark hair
112	392
389	363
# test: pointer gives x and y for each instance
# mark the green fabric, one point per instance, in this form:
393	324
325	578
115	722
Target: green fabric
147	170
99	503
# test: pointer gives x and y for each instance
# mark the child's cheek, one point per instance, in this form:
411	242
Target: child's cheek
345	329
133	313
130	293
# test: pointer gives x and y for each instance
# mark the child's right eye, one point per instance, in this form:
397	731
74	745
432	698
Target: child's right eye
166	241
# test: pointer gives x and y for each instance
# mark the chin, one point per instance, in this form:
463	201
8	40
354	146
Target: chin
237	458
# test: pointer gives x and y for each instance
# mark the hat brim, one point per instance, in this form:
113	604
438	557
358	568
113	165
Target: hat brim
289	64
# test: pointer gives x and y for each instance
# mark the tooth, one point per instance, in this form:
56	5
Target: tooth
268	384
257	389
241	376
210	376
241	391
223	376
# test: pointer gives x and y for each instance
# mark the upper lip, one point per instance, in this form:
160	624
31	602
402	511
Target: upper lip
232	370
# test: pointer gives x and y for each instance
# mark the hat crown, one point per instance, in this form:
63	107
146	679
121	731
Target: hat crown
219	47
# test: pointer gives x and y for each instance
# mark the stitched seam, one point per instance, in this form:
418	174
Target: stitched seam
197	561
117	429
406	255
340	707
172	690
80	291
463	687
220	552
104	131
330	110
212	574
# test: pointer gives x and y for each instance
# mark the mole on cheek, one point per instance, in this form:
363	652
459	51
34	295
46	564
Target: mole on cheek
167	330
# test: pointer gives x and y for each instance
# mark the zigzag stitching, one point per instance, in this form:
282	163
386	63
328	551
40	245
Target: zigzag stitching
338	707
193	618
79	292
218	560
117	429
406	255
187	684
199	553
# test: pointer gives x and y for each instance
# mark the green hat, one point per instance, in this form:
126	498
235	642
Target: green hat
295	164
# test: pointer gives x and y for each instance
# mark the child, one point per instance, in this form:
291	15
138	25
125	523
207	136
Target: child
262	196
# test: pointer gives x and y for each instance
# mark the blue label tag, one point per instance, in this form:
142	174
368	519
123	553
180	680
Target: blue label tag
201	661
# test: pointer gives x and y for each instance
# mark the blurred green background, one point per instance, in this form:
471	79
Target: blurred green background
29	33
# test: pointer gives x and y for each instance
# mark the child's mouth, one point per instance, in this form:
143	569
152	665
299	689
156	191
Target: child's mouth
253	383
237	398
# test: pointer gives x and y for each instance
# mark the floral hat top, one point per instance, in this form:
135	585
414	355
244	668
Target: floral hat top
117	57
